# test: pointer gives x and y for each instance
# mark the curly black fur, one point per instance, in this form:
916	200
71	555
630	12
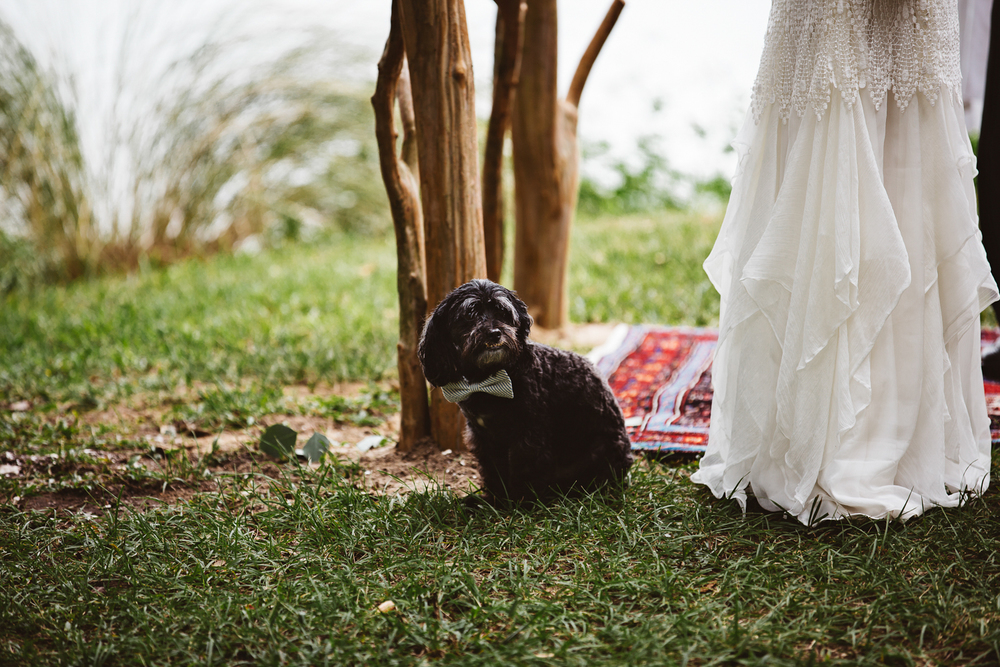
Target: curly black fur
562	432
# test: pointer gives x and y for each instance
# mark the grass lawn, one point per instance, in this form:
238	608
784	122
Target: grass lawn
256	562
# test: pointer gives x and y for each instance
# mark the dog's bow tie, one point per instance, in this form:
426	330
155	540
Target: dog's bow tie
497	384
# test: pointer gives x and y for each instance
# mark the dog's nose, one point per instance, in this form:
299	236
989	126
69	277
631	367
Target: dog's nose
493	336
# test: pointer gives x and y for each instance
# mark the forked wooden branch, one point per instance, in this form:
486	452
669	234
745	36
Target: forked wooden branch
593	50
546	163
506	70
402	186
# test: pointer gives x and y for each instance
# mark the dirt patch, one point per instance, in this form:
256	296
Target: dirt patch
175	469
99	500
387	470
163	464
169	461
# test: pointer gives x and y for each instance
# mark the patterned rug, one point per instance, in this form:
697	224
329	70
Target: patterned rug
662	377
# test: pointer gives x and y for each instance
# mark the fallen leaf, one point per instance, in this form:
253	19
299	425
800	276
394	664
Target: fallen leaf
316	447
278	441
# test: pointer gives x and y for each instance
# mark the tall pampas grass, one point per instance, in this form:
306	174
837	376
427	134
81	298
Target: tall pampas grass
211	160
46	222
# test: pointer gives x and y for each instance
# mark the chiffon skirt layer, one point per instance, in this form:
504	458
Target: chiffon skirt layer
852	274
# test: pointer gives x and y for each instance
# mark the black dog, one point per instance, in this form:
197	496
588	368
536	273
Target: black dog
541	422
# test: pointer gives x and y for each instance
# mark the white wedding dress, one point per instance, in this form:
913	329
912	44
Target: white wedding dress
847	377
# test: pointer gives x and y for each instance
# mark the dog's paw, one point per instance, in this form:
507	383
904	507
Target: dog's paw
477	500
991	364
482	499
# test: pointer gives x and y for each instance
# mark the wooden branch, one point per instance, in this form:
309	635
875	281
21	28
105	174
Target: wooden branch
537	167
506	70
546	163
593	50
403	188
439	58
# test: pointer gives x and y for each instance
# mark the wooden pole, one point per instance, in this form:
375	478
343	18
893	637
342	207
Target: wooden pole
400	175
440	64
546	162
536	165
506	70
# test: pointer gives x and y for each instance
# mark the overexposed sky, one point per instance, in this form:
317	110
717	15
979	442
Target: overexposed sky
697	60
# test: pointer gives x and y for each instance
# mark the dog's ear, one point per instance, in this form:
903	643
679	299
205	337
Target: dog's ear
524	320
436	352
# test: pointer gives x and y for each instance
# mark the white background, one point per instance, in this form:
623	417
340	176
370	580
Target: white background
698	59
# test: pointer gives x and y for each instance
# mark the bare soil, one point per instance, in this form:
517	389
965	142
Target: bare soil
382	469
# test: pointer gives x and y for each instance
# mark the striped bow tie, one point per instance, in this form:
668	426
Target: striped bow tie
497	384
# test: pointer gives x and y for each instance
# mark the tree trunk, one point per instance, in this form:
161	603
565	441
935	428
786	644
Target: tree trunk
546	163
506	68
399	174
440	64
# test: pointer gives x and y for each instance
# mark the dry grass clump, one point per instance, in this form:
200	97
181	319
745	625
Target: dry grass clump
226	155
45	216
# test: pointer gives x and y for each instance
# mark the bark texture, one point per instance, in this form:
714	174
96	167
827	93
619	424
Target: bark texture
399	173
440	65
546	162
506	70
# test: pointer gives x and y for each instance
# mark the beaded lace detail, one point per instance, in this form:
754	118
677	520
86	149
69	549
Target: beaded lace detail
880	45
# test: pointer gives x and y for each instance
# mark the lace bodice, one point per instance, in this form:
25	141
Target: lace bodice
878	45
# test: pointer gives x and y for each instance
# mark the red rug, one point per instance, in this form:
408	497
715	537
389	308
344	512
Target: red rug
662	377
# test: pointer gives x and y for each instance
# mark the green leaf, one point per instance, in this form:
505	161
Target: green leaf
316	447
278	441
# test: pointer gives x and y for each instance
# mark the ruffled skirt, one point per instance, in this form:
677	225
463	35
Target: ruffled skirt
852	274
